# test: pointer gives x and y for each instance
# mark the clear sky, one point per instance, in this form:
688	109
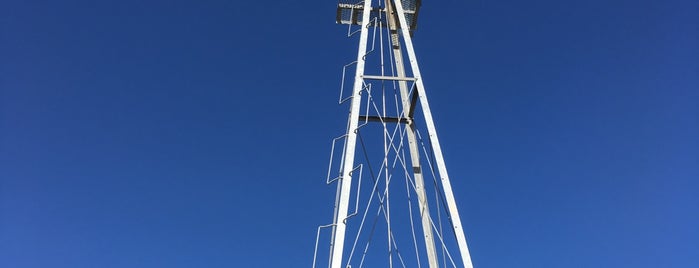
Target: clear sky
196	133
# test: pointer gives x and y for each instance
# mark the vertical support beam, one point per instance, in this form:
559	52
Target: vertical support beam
338	240
439	158
412	140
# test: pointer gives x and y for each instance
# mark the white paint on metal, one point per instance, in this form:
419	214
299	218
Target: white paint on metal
390	78
425	217
338	240
439	158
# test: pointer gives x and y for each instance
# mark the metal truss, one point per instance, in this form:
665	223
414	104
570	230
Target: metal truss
386	101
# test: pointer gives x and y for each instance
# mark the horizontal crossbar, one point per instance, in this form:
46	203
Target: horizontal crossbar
392	78
375	118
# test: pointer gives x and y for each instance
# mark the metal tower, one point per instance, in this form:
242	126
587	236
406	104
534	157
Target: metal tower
373	226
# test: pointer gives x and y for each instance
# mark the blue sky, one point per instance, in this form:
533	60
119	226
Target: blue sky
196	133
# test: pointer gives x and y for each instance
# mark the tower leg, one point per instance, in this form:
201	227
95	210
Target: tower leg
338	239
434	141
412	140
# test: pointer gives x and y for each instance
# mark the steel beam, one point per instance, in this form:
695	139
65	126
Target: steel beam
437	149
338	240
425	217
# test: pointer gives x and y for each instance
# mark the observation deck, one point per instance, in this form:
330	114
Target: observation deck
350	12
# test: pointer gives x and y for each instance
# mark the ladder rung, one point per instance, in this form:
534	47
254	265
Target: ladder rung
393	78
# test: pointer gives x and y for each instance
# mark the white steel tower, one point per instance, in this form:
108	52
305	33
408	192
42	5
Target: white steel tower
394	204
